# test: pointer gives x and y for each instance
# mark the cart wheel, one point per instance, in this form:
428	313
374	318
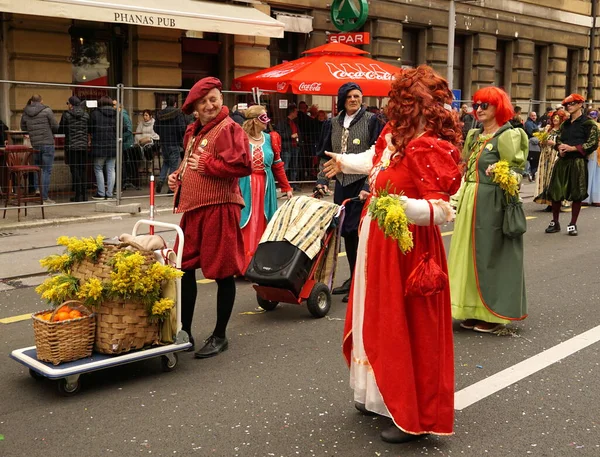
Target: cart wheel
68	388
319	300
169	362
35	375
267	305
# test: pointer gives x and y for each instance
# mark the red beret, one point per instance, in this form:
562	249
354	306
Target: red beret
573	98
200	89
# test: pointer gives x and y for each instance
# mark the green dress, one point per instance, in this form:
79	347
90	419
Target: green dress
487	280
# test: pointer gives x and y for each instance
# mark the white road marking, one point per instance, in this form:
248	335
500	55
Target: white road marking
489	386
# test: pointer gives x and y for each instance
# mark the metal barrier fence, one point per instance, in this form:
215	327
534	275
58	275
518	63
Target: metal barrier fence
94	152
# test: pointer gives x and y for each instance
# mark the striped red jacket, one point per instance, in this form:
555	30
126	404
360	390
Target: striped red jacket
224	157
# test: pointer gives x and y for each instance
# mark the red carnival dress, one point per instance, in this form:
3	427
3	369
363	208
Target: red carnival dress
400	348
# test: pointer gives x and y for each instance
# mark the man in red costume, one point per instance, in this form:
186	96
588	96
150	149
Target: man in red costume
207	192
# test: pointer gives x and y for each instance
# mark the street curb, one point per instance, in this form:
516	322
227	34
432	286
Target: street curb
69	220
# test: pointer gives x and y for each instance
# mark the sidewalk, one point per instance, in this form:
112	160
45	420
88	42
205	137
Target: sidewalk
77	212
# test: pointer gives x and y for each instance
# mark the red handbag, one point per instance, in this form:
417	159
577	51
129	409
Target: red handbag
427	278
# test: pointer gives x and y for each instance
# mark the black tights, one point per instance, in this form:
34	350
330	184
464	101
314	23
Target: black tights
575	209
351	243
225	301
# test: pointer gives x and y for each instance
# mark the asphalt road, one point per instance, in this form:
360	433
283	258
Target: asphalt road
282	387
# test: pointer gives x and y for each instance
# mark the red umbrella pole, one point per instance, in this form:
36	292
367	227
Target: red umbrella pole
151	203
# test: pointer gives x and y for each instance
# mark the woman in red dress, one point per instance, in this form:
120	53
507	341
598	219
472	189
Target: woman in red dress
398	342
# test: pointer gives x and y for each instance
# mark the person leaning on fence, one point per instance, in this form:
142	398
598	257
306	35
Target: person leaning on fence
39	122
577	138
103	134
130	173
170	126
74	124
352	131
290	140
207	192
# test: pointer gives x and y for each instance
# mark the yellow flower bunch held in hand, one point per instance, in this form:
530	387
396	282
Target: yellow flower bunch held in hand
388	210
542	136
507	179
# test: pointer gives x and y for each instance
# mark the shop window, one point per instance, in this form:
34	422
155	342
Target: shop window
459	62
410	47
572	71
199	58
285	49
499	77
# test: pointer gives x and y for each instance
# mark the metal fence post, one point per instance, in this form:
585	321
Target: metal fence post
119	159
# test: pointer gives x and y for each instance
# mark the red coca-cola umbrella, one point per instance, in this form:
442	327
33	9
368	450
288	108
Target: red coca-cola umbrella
322	71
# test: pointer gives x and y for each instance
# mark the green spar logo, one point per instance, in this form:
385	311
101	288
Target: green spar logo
348	15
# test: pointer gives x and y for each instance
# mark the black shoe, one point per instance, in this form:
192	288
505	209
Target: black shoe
553	227
363	410
98	197
572	230
343	289
213	345
548	209
159	185
393	434
346	298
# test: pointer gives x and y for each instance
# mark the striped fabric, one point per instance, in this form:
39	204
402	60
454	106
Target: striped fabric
199	190
302	221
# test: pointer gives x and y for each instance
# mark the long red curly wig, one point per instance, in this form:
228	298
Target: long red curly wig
420	96
498	98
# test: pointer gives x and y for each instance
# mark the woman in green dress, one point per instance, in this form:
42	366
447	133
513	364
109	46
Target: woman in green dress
487	281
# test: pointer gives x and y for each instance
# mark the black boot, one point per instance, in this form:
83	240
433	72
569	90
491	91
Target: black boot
393	434
363	410
159	185
213	345
553	227
343	289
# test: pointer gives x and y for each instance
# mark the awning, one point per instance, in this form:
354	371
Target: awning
201	16
297	23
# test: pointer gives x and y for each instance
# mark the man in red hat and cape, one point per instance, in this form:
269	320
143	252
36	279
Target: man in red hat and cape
207	192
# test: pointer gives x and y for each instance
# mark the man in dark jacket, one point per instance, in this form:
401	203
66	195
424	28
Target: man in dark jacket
38	120
74	125
238	115
103	132
170	126
290	140
352	131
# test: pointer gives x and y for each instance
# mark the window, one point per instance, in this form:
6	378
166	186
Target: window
410	47
572	71
500	64
459	62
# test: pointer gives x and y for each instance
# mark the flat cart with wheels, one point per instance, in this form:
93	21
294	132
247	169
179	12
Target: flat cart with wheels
68	373
285	260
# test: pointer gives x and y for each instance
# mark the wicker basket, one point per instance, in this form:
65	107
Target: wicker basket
64	341
124	326
101	268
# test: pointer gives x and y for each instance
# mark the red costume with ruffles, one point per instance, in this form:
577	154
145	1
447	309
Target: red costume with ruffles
399	347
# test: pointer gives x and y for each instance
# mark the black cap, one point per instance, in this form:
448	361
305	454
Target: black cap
74	101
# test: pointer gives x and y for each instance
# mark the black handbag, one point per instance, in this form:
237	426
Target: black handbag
514	223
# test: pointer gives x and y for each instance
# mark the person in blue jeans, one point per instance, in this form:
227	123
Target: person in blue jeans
103	132
39	121
170	126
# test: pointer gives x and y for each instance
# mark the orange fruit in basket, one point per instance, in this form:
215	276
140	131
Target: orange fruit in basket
45	317
75	314
65	309
62	316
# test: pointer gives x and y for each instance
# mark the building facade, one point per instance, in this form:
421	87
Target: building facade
536	51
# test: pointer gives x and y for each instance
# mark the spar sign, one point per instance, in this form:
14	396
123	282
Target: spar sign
349	15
